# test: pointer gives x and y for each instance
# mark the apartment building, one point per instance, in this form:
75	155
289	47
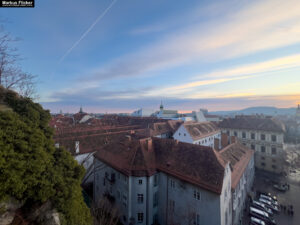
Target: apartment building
241	160
200	133
163	181
262	134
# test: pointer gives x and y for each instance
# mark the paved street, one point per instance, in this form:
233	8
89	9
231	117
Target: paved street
264	183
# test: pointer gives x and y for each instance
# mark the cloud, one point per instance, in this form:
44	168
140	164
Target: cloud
256	27
241	72
213	104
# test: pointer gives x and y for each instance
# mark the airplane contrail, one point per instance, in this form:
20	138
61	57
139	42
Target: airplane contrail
87	31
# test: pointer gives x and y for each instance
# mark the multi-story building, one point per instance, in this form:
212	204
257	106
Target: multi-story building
163	181
201	133
241	161
262	134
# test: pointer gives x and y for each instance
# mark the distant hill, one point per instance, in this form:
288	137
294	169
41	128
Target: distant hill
266	110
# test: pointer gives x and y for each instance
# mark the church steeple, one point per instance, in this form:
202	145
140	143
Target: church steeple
80	110
161	106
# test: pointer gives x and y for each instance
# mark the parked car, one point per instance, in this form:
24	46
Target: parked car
269	205
281	187
262	215
267	194
256	221
269	199
262	206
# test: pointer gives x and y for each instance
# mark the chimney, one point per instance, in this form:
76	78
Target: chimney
232	139
224	140
128	137
149	142
76	147
217	144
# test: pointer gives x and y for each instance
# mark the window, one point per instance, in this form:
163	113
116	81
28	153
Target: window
140	217
140	181
252	136
155	199
155	219
263	149
172	183
140	198
253	147
197	219
262	137
155	180
273	151
184	134
263	164
274	138
196	194
172	205
179	134
235	133
228	132
124	200
243	134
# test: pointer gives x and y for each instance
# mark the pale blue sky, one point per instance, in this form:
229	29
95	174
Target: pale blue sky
191	54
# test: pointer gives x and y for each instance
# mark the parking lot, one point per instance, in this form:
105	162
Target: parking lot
264	182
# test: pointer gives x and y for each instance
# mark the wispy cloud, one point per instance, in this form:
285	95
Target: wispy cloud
230	74
258	26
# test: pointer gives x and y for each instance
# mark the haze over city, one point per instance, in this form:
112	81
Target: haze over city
117	56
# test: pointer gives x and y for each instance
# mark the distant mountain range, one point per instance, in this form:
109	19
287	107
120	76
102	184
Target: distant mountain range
266	110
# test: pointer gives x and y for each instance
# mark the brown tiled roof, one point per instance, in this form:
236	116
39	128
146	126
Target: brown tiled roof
169	126
89	143
198	130
78	116
199	165
253	123
238	156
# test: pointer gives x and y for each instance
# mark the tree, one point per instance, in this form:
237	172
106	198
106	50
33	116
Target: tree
32	170
105	213
11	75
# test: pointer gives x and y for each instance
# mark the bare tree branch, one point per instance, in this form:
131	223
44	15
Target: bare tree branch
11	75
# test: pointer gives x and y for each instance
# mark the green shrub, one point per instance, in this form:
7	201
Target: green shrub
32	170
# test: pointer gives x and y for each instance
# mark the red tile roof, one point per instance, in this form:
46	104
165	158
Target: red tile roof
239	157
199	165
253	123
198	130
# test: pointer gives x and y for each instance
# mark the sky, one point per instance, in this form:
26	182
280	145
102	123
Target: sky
122	55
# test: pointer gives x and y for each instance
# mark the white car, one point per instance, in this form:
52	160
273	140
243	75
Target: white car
255	221
269	204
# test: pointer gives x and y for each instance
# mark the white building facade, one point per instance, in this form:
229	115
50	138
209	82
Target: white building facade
200	133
